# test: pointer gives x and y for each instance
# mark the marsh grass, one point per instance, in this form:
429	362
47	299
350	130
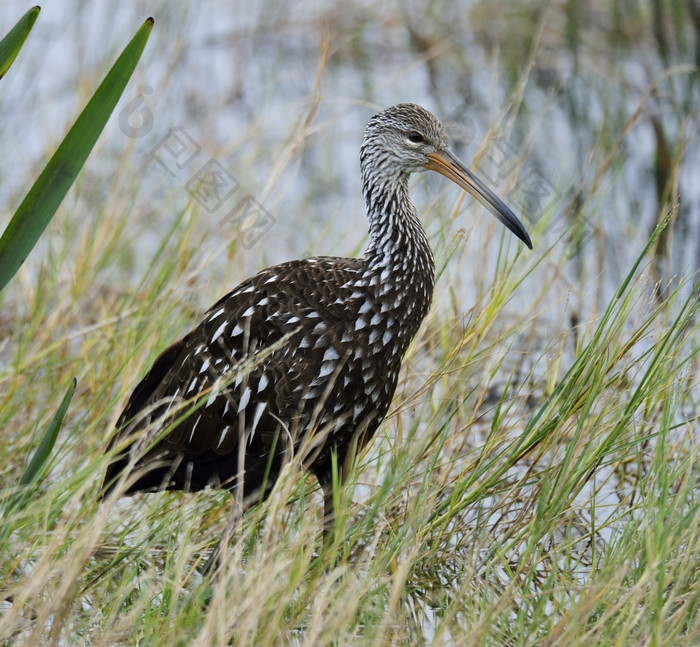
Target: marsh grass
535	483
493	508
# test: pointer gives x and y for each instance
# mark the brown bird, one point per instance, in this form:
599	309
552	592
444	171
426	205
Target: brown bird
302	358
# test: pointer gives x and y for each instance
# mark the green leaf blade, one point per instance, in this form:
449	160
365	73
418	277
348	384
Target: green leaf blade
40	204
48	439
32	474
12	43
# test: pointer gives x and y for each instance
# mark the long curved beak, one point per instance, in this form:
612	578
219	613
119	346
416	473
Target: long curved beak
448	164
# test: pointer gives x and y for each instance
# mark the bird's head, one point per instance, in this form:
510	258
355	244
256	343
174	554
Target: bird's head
407	138
400	138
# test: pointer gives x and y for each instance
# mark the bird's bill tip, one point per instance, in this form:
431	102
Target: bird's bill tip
448	164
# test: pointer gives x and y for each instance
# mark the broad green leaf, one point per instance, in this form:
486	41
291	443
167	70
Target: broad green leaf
14	39
44	198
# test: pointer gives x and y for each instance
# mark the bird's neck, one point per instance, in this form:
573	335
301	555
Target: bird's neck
398	245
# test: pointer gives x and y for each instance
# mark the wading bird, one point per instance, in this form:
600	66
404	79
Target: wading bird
303	358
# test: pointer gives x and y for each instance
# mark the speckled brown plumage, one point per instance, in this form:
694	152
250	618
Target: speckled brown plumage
303	356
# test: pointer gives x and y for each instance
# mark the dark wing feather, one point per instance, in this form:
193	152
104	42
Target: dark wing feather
140	398
293	305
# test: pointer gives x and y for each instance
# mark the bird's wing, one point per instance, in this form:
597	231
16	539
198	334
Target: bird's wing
250	371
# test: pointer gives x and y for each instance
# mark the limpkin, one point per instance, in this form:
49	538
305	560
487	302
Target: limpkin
304	356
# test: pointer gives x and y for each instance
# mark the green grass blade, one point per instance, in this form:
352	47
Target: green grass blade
32	473
48	440
14	39
44	198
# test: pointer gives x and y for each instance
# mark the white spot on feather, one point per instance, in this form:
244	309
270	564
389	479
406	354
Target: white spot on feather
256	418
218	332
245	398
214	393
326	369
224	431
330	354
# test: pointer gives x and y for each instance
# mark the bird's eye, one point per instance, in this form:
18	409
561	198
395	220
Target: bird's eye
416	137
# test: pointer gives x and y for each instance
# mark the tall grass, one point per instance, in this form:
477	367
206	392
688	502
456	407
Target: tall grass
536	482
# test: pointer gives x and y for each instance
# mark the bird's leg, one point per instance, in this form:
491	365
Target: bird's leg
332	485
331	482
328	514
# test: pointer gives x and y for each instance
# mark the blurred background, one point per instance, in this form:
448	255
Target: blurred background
575	112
